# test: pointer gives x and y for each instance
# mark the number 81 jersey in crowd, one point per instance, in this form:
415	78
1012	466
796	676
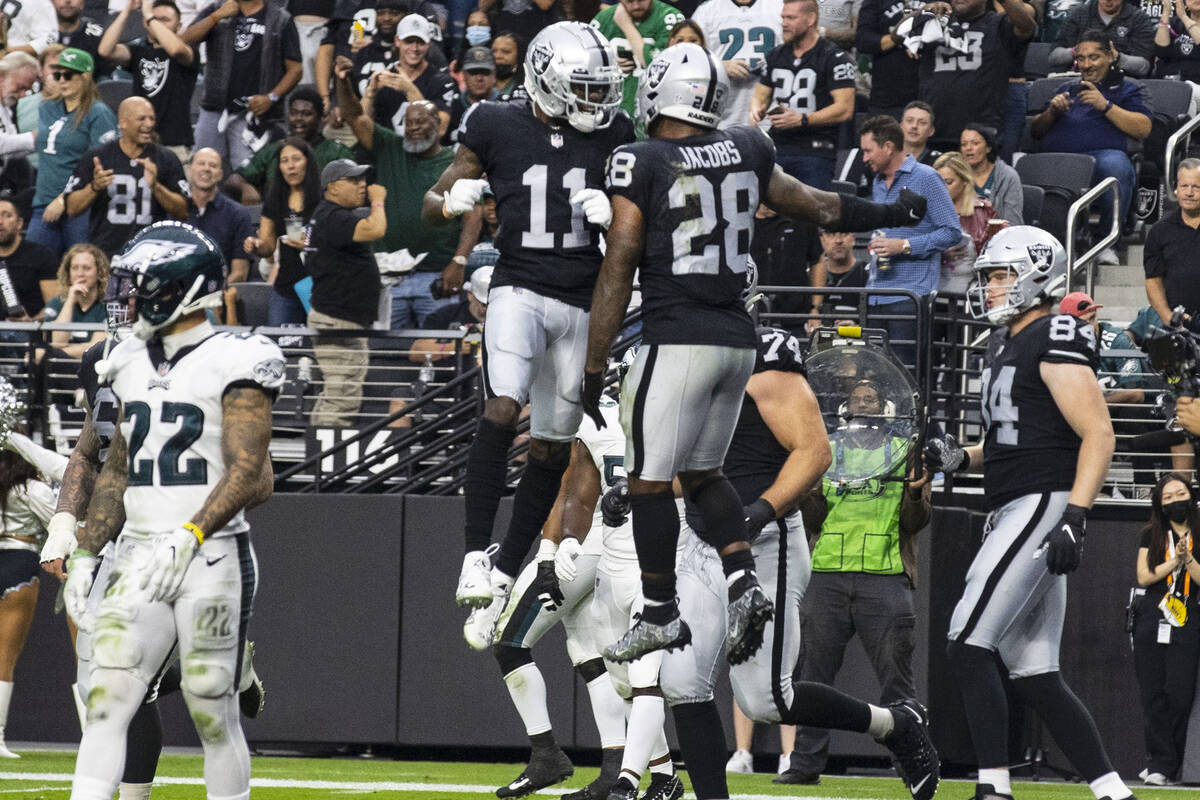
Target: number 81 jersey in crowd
173	418
1028	445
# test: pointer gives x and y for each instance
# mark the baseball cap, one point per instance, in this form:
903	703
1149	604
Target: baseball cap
341	168
75	59
480	283
478	58
1078	304
414	25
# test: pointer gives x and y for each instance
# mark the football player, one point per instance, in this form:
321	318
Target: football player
1045	452
683	211
545	163
195	423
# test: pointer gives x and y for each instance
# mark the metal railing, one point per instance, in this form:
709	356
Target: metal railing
1183	134
1078	211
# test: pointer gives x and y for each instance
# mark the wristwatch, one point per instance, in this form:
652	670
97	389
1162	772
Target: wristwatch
907	249
274	98
804	120
460	260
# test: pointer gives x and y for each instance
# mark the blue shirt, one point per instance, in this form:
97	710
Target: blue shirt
227	223
61	143
1085	129
937	230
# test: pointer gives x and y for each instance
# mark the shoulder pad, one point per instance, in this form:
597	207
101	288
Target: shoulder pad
1069	340
778	350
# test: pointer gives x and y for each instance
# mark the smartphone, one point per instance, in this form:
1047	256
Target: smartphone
776	109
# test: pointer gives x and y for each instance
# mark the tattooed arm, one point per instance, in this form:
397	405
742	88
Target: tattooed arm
106	511
245	435
79	479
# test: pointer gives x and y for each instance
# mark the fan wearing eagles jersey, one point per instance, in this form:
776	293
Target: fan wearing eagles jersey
681	396
742	33
127	184
545	164
1046	449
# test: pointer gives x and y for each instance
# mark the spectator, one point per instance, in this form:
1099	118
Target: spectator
413	79
919	124
126	184
805	93
76	30
68	127
742	33
304	120
470	310
28	106
1175	40
225	221
411	165
479	83
687	32
311	18
381	51
522	17
863	566
31	27
840	21
914	253
163	66
974	212
1165	662
18	74
346	286
993	179
836	268
784	250
293	192
489	227
509	54
82	281
1098	114
1171	246
253	53
27	272
742	760
1129	29
1121	377
972	86
894	74
479	30
638	29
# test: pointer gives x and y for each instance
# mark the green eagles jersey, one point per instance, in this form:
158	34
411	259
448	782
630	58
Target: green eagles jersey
655	29
861	532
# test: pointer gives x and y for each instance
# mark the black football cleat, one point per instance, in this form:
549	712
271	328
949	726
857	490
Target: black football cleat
646	637
748	616
546	768
252	697
797	777
985	791
914	751
664	787
623	790
610	771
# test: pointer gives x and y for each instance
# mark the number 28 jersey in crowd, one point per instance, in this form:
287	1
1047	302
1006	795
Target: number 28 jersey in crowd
172	421
697	197
1029	447
533	168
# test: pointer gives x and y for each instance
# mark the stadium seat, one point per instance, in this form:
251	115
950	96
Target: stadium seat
1169	99
1063	177
252	301
112	92
844	187
1037	60
1040	92
1032	198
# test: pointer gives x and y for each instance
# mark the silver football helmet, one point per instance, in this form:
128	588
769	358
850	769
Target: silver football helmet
686	83
571	73
1037	272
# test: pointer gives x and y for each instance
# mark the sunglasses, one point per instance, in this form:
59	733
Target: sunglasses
63	75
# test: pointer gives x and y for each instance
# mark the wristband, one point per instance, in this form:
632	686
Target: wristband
195	529
82	553
460	260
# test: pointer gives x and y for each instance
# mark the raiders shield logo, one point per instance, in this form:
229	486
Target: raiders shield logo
539	57
1147	201
1186	45
656	71
1040	256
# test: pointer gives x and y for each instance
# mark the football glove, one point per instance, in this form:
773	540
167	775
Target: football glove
596	206
942	454
463	196
589	396
168	565
564	560
60	538
1063	545
758	514
545	583
910	208
614	505
81	571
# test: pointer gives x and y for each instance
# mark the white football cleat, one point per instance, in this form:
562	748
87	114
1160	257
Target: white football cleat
4	751
480	628
475	581
741	762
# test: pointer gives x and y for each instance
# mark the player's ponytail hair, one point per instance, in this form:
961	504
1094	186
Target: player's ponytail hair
1158	525
14	472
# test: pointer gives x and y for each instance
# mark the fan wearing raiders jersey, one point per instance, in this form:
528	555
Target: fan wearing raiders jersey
1046	449
545	164
682	394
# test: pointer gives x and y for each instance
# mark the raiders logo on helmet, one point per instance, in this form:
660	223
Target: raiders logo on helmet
1040	255
656	71
539	57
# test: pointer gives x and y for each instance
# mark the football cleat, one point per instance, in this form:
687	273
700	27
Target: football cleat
546	768
748	616
475	580
795	776
610	770
251	695
646	637
480	628
4	751
909	742
664	787
623	790
985	791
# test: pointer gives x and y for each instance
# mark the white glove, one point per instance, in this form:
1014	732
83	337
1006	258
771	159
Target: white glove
596	206
60	539
564	560
81	571
463	196
168	564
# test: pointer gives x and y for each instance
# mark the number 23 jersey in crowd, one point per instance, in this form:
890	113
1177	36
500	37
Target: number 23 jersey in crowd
1028	446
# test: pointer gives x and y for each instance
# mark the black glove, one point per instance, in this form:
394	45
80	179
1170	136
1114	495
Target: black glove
910	209
944	455
589	396
758	514
1064	544
545	584
614	506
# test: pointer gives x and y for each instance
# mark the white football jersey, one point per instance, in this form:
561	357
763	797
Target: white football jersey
747	32
172	421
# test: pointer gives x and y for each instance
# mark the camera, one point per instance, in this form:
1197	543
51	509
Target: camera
1175	355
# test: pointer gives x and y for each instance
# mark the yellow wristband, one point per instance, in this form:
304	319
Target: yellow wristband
195	529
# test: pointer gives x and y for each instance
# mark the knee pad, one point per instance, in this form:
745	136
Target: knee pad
206	676
510	658
591	669
114	648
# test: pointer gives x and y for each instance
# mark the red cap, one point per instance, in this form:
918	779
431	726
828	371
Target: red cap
1078	304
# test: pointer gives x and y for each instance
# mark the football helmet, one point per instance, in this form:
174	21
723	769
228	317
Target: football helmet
168	270
686	83
1037	273
571	73
750	293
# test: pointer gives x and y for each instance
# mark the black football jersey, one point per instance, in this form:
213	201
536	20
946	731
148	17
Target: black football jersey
435	85
804	85
1028	445
128	204
545	243
371	59
755	457
698	197
100	398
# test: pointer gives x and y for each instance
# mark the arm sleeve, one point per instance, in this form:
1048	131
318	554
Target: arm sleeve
291	42
257	361
42	501
254	171
103	127
170	173
1009	197
1141	37
1134	65
842	71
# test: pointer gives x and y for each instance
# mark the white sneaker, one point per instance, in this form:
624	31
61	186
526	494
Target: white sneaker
785	763
1156	779
1142	775
480	628
475	581
741	761
1108	256
4	751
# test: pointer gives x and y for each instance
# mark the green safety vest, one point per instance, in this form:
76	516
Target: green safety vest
861	532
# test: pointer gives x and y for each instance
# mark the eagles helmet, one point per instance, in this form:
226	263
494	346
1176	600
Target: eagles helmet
686	83
571	73
1037	273
170	269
